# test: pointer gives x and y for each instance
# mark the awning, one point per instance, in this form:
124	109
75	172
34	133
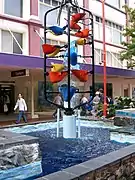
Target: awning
38	63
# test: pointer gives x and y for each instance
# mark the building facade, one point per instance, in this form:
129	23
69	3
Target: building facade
21	37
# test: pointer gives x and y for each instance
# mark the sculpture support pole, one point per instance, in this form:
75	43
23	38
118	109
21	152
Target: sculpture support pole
69	120
58	122
69	76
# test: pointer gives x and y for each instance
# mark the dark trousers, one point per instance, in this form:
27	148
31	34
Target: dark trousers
21	115
55	113
83	112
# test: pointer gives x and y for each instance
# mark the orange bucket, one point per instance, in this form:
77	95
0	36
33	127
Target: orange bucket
56	77
82	75
48	49
83	34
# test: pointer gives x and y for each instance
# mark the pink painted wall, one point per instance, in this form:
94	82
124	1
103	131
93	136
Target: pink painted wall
34	39
86	48
34	7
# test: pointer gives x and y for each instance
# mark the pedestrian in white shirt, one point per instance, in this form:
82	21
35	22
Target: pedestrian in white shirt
83	101
21	105
58	101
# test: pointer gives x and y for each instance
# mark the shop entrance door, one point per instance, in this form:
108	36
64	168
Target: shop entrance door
7	95
126	92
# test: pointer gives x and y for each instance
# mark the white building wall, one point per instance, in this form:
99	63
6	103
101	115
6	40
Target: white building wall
96	8
113	34
115	22
110	13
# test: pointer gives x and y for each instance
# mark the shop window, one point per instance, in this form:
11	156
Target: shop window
13	7
9	44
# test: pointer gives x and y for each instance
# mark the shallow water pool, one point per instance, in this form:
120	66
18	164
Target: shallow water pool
59	153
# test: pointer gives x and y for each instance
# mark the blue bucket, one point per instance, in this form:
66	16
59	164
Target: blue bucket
73	58
64	91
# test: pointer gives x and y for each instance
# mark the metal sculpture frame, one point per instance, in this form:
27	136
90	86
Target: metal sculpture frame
69	110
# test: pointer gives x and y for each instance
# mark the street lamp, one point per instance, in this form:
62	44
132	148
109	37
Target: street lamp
104	57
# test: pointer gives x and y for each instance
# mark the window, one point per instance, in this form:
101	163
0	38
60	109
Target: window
115	3
13	7
109	59
55	3
51	17
108	34
98	28
113	31
117	62
45	5
97	54
117	37
9	45
112	59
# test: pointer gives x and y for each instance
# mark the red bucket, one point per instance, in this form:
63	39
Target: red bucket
56	77
48	49
82	75
74	25
78	17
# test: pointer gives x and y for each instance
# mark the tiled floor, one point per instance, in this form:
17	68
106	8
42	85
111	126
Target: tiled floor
10	120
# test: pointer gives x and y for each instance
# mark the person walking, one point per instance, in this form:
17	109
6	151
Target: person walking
7	103
21	104
84	101
58	101
96	101
75	100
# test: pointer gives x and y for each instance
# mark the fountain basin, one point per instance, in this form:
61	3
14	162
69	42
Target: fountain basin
17	150
82	158
60	153
125	117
